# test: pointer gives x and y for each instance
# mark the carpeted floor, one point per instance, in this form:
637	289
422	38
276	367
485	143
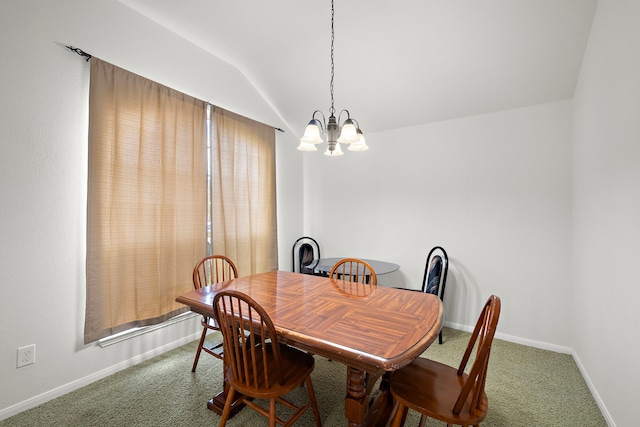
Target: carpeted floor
525	386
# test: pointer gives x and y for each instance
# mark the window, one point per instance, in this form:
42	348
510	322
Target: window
243	191
147	198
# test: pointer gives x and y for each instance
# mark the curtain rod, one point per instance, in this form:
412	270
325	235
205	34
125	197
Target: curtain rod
88	56
79	52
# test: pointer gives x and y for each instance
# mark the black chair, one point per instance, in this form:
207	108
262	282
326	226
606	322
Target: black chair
434	280
307	250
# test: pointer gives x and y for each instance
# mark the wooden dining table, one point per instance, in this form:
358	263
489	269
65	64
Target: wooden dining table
373	333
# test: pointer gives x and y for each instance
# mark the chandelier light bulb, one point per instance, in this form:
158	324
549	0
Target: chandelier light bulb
312	134
349	133
306	146
360	144
337	151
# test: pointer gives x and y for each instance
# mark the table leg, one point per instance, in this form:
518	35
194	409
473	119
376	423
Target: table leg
363	408
381	407
216	404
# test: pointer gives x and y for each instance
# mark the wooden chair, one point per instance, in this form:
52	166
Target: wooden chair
354	275
434	280
257	366
446	393
307	250
210	271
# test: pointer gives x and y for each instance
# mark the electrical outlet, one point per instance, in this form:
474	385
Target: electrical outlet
26	355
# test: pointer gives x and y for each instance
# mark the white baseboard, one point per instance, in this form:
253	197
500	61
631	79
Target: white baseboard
81	382
557	349
594	392
510	338
536	344
74	385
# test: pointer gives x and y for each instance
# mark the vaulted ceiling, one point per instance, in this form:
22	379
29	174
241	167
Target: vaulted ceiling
397	63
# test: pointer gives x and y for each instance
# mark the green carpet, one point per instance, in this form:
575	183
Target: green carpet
526	387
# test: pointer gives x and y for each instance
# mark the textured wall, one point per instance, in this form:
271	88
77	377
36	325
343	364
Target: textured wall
606	210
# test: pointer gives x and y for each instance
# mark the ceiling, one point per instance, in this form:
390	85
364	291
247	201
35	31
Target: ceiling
397	63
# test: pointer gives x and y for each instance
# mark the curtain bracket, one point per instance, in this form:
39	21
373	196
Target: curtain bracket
79	52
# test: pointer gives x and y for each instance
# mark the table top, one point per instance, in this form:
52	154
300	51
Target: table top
384	329
325	265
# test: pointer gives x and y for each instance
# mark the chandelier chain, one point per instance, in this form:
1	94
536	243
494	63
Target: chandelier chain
332	110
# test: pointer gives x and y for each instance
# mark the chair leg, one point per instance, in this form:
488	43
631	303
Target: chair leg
400	417
314	402
423	421
440	337
200	344
272	412
227	407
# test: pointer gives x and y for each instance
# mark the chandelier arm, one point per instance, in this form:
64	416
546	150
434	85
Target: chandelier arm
340	115
323	123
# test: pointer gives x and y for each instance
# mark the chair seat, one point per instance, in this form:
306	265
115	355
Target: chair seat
295	365
432	388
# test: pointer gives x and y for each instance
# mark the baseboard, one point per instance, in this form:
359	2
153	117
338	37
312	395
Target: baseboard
81	382
517	340
74	385
594	392
557	349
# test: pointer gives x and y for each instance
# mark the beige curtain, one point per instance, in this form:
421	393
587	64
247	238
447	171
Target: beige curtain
243	192
146	219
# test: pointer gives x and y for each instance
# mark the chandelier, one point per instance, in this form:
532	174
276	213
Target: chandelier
347	132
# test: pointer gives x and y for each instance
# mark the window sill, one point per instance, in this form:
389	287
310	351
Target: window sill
125	335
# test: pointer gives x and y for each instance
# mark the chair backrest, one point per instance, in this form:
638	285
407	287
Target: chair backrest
434	280
355	271
213	269
307	249
245	328
481	338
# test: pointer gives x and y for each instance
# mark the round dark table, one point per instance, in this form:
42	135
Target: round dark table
324	265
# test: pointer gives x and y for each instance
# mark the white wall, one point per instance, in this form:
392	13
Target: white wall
493	190
43	124
606	209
